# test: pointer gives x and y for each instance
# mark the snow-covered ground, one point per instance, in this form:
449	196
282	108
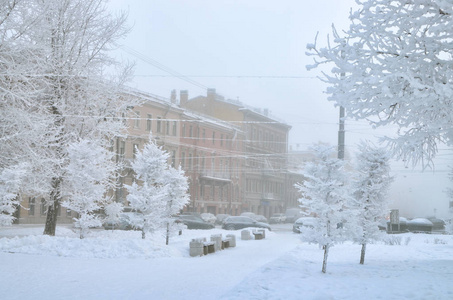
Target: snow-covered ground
120	265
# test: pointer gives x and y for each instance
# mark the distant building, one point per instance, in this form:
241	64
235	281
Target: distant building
264	148
234	156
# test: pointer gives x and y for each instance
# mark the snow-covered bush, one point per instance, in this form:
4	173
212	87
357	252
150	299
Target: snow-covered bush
10	183
113	211
392	240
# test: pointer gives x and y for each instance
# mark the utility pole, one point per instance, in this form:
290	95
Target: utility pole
341	122
341	134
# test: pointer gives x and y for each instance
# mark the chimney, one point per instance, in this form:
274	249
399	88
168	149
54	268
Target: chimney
173	97
183	97
211	94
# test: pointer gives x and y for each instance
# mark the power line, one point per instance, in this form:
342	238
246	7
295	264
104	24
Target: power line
160	66
234	76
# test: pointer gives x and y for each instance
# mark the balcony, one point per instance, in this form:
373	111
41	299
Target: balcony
267	196
219	177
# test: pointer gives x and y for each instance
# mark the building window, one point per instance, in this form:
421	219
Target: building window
183	130
134	149
31	206
159	125
136	119
122	147
167	128
213	137
190	131
149	120
68	212
204	135
173	158
183	154
43	207
174	128
190	161
221	140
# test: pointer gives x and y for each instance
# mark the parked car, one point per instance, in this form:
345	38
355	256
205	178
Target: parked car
126	221
292	214
240	222
260	218
208	217
248	214
420	225
221	217
194	222
438	224
307	222
277	218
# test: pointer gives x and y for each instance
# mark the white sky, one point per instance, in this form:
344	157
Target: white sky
224	42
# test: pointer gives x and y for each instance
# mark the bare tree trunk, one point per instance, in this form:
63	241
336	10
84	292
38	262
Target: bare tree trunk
326	254
143	234
168	233
362	254
52	211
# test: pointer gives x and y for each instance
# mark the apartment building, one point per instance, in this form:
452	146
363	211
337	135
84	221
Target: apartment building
264	148
211	158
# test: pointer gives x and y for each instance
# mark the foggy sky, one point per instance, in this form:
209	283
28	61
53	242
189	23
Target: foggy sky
250	51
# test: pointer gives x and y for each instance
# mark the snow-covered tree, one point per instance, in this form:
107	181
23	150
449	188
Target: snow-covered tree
10	182
159	192
370	189
55	87
88	176
394	65
112	211
449	191
176	197
325	195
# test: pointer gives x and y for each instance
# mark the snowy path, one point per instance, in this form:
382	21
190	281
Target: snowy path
208	277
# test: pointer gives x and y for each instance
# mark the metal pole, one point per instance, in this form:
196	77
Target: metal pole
341	134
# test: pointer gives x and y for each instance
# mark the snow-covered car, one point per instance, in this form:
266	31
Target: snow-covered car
419	225
208	217
277	218
126	221
260	218
194	222
304	222
292	214
438	224
248	214
240	222
221	217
